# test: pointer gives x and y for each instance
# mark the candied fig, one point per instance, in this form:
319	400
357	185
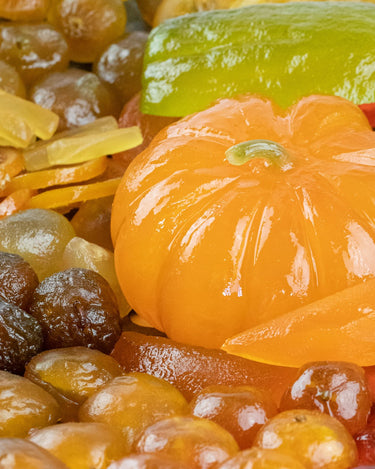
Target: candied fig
17	280
77	307
20	337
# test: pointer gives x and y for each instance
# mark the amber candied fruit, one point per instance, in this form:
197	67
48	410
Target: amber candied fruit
82	445
17	453
24	406
24	10
77	307
133	402
365	441
147	461
259	458
336	388
315	439
10	80
198	443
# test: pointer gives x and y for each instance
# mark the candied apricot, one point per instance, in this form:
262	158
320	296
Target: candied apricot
82	445
88	30
24	406
242	410
77	307
72	375
316	440
10	80
174	362
78	97
18	280
198	443
259	458
133	402
147	461
33	49
336	388
20	337
16	453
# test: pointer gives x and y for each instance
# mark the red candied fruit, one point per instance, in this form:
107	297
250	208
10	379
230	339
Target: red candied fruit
365	441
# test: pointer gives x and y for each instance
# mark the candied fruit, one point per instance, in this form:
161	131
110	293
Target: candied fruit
147	461
365	441
10	80
24	10
259	458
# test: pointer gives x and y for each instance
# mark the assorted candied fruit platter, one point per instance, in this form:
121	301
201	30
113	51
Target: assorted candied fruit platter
187	234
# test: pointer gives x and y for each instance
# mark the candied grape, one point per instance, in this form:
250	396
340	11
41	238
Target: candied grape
317	440
366	446
16	453
241	410
33	49
133	402
37	235
24	406
77	307
336	388
198	443
71	375
20	337
17	280
82	445
258	458
78	97
24	10
10	80
120	65
147	461
87	27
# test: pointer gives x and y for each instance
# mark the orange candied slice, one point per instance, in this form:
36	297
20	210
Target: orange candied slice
16	201
57	176
11	164
71	195
338	327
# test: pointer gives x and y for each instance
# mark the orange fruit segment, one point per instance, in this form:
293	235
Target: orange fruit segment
15	202
11	164
338	327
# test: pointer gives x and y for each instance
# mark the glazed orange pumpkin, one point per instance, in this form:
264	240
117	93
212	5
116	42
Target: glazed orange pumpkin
216	232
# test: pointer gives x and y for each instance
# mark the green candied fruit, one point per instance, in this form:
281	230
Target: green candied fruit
39	236
282	51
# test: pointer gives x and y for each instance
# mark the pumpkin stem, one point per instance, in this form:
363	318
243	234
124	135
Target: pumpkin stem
271	151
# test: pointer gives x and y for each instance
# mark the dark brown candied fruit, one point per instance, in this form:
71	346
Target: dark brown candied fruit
17	280
191	369
33	49
24	406
10	80
82	445
16	453
147	461
88	27
120	65
20	337
78	97
241	410
259	458
365	441
77	307
198	443
133	402
24	10
71	375
336	388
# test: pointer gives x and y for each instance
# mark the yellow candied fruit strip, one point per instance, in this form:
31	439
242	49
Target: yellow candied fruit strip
67	196
16	201
91	141
57	176
11	164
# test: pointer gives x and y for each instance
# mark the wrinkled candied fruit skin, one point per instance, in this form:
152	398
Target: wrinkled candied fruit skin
82	445
37	235
77	96
33	49
77	307
17	280
27	405
72	375
120	65
10	80
242	410
133	402
87	27
21	337
365	441
258	458
16	453
315	439
147	461
24	10
198	443
336	388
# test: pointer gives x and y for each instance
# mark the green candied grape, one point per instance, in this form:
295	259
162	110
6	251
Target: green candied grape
282	51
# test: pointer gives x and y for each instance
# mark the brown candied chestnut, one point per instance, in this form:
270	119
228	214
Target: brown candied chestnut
20	337
335	388
241	410
77	307
18	280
